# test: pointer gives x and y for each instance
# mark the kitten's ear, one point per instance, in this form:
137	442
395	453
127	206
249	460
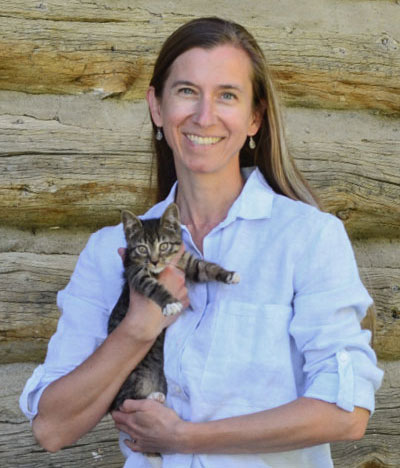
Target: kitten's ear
171	219
131	223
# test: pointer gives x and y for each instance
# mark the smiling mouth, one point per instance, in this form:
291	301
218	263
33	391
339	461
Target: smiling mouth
198	140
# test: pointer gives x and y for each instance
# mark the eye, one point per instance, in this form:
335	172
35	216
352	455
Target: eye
164	246
186	91
141	250
228	96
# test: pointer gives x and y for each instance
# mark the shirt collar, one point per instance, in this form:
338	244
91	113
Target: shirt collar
254	202
255	199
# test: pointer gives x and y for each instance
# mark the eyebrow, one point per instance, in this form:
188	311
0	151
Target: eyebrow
182	83
221	86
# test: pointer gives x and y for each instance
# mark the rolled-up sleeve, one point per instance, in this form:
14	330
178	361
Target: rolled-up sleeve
81	328
329	303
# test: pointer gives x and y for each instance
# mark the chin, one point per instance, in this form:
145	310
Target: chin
157	270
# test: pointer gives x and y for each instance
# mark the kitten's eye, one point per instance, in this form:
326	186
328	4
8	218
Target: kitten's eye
141	249
163	246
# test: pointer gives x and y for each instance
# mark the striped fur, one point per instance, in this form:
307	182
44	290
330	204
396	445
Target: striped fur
151	244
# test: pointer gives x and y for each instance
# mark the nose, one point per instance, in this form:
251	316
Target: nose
205	112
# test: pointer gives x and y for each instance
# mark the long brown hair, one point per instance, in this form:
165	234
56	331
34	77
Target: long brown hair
271	154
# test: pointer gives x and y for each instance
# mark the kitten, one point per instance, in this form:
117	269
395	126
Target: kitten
151	244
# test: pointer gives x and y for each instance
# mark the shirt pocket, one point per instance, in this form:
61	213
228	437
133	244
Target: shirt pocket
249	359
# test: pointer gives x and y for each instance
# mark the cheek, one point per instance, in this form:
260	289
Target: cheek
174	112
238	120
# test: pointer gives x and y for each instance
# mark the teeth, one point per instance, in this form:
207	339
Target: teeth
198	140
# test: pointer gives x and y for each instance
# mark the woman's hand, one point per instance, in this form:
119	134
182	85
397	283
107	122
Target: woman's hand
295	425
152	427
144	317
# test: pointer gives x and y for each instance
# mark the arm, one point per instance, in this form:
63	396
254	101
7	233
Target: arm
301	423
73	404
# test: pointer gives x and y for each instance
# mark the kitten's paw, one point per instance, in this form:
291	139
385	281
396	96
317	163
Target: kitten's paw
172	309
158	396
233	278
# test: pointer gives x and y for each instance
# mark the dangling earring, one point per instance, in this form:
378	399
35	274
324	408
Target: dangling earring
159	135
252	143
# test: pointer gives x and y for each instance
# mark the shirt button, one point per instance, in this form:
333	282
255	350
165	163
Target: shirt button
343	356
177	389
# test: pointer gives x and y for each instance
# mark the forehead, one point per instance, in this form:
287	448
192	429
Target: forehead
222	64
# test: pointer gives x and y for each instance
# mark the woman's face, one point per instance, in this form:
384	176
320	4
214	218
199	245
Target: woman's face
206	109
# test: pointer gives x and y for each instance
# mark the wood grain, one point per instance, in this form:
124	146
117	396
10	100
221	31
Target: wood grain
28	311
380	272
18	448
110	51
379	447
71	173
352	161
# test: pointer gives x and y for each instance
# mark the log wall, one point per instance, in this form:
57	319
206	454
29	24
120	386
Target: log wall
75	150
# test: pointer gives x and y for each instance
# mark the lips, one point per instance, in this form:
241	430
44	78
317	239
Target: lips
199	140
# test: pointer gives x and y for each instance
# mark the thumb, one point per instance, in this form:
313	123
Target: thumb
175	260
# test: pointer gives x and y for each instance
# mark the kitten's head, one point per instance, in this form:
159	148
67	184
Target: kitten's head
152	242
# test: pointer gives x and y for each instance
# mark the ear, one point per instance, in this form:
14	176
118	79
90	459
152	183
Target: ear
255	122
170	219
154	106
132	224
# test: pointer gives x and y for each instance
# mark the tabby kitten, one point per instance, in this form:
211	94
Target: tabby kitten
151	244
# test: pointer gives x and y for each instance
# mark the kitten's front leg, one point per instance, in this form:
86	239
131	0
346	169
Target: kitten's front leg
201	271
142	281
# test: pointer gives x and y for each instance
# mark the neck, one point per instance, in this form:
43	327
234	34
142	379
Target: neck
205	199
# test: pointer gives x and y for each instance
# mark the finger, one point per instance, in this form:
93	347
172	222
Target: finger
121	253
119	417
172	278
185	301
175	259
131	406
171	271
125	429
133	445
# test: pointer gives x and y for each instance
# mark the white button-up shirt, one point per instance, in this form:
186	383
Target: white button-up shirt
290	328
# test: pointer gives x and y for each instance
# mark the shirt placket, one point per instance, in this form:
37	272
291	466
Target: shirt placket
199	294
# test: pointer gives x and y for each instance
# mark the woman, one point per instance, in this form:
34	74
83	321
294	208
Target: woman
261	374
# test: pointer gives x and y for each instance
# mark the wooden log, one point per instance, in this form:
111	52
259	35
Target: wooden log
100	447
318	59
43	242
379	447
18	448
30	279
352	161
76	161
380	271
28	312
66	174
